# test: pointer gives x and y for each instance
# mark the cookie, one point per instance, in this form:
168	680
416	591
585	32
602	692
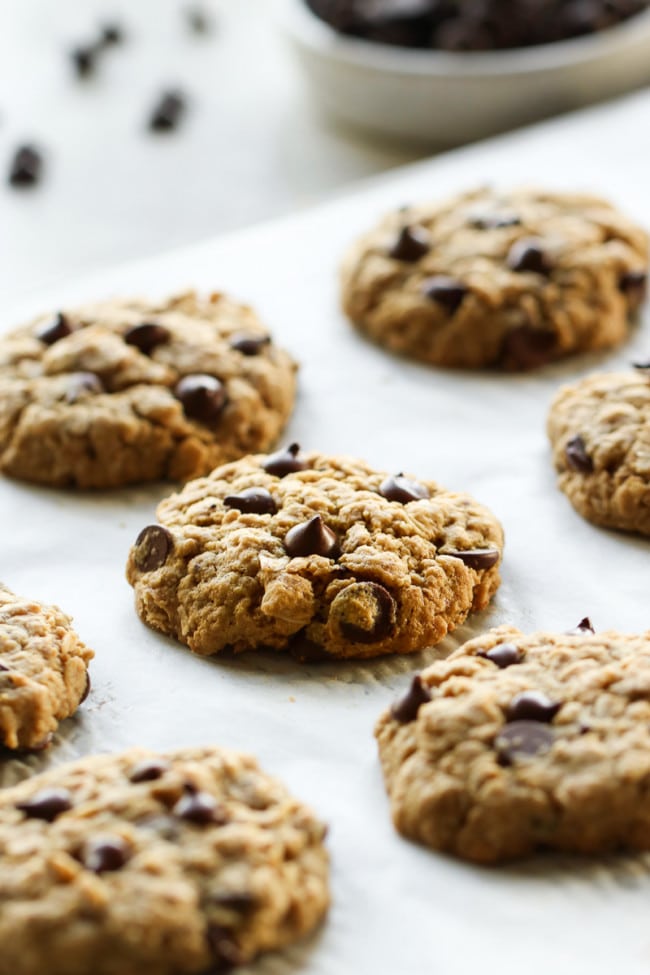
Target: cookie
599	428
520	743
507	280
43	671
321	556
129	391
166	864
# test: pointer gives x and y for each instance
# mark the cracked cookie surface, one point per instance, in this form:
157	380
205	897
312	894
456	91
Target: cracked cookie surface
509	280
128	391
148	864
43	671
316	555
599	429
517	743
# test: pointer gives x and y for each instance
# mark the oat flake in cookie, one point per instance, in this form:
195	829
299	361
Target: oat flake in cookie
129	391
517	743
504	280
600	433
43	671
190	862
319	556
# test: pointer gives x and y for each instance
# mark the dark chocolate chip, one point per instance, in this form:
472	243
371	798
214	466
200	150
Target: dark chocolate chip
87	689
168	112
199	807
445	291
406	709
84	60
494	221
577	457
47	804
249	344
105	854
4	669
148	770
521	739
26	167
254	501
312	537
634	286
152	546
306	651
112	34
147	336
367	612
412	243
528	254
584	626
225	951
401	489
203	397
476	558
81	385
241	901
503	655
532	706
285	462
526	347
58	328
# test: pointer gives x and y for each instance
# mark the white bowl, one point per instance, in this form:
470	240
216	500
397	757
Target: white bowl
444	98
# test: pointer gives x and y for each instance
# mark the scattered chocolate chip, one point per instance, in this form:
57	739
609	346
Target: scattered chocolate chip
199	807
235	900
112	34
447	292
521	739
148	770
401	489
168	112
306	651
47	804
87	688
254	501
532	706
26	167
152	546
584	626
84	60
224	950
147	336
476	558
494	221
406	709
285	462
366	612
528	254
249	344
526	347
312	537
577	457
105	854
634	286
412	243
503	655
203	397
50	332
81	385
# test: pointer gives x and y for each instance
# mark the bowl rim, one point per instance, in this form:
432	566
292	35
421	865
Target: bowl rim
305	26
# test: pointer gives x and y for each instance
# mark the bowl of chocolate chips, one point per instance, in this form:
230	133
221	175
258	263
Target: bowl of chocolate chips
443	72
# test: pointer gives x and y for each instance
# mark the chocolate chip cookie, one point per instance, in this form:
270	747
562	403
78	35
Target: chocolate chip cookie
506	280
520	743
43	671
129	391
599	428
190	862
321	556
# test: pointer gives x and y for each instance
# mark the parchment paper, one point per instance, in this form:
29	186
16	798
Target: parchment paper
397	909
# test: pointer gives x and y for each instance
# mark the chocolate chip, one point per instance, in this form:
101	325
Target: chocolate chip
168	112
312	537
447	292
526	347
224	950
26	167
641	366
47	804
494	221
476	558
87	688
152	546
203	397
148	770
199	807
401	489
112	34
147	336
412	243
503	655
532	706
306	651
249	344
634	286
81	385
235	900
106	854
365	611
4	669
254	501
584	626
285	462
197	20
577	457
522	738
84	60
528	254
58	328
406	709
